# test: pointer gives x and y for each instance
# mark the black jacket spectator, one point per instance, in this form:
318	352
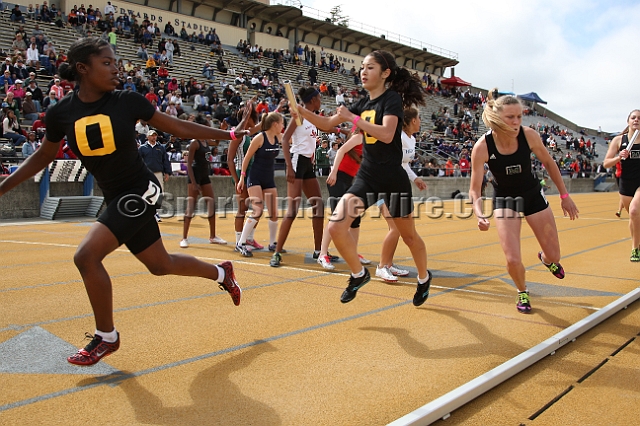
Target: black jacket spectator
313	75
221	66
236	99
227	93
16	15
21	72
36	93
220	112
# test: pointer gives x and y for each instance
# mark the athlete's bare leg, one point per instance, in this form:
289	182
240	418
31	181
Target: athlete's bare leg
509	225
349	207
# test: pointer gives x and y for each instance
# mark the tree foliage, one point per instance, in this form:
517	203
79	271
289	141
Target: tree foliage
337	17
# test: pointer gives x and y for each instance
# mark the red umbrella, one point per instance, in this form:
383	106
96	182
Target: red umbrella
454	81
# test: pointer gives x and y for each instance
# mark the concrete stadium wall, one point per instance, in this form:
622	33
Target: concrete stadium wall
24	200
267	40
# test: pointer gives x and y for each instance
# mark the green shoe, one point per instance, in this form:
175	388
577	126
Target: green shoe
275	260
524	302
635	255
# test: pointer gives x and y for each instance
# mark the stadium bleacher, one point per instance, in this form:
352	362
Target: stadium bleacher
194	56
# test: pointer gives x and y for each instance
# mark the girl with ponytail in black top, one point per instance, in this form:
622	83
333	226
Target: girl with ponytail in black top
507	149
98	122
379	117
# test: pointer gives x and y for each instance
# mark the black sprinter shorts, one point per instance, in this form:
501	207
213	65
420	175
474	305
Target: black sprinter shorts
527	203
393	188
131	217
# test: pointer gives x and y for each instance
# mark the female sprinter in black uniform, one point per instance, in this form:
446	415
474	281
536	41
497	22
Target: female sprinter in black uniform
199	183
300	176
507	149
98	122
261	181
381	176
630	176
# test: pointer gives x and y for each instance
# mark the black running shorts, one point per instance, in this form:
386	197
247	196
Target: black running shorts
262	178
628	187
302	166
201	178
131	218
395	190
528	203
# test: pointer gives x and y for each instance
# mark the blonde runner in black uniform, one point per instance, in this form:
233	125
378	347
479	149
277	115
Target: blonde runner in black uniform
630	176
98	123
379	116
507	149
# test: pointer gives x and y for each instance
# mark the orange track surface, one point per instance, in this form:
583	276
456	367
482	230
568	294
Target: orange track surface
292	354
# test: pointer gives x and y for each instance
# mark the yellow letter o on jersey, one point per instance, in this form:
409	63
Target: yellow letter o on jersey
370	116
106	130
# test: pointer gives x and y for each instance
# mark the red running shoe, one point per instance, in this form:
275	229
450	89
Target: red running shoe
256	245
94	351
229	283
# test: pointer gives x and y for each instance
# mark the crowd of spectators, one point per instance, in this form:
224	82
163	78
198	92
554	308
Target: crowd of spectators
216	98
32	51
574	155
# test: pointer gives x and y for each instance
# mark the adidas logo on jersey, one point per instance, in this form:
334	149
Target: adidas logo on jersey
493	157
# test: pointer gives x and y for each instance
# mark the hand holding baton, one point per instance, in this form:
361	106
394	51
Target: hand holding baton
293	105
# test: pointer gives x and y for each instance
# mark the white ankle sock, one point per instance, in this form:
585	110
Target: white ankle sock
273	231
107	337
359	274
248	226
238	235
424	280
221	274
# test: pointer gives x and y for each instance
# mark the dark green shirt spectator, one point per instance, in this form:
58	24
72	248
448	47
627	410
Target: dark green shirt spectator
322	159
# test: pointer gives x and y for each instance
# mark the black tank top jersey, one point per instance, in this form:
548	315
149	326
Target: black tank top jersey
200	163
511	173
379	155
265	156
102	135
630	166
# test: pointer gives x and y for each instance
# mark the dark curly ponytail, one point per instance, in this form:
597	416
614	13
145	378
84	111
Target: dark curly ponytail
80	52
400	79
